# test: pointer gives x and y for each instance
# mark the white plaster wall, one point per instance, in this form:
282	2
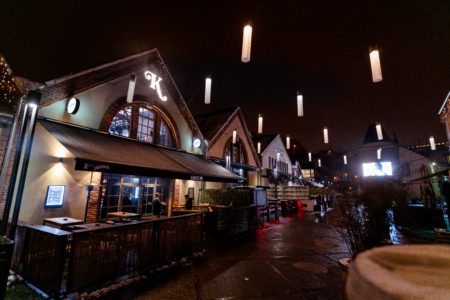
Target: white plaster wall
96	101
271	151
43	170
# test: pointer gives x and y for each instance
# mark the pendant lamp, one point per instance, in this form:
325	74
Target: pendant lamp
432	143
246	44
260	124
379	132
131	87
208	83
375	65
325	135
299	105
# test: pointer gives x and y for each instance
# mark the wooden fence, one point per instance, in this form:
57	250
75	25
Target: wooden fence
61	262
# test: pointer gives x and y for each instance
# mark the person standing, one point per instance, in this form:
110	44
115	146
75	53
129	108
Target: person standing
157	206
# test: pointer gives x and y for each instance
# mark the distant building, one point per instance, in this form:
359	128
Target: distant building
275	161
238	156
385	158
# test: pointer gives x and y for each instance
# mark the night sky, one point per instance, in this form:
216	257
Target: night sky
318	47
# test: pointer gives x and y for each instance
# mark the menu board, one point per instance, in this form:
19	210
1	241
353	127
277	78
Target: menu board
55	196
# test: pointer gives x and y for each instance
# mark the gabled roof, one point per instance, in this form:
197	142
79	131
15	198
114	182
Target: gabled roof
61	88
264	139
210	123
213	124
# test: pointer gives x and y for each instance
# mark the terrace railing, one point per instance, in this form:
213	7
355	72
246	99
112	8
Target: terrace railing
61	262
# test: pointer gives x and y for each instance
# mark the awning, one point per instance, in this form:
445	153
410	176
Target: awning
222	162
439	173
101	152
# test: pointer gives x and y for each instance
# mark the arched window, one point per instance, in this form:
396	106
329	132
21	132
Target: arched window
236	152
144	124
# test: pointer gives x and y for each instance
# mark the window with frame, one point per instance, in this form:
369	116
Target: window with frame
236	152
142	123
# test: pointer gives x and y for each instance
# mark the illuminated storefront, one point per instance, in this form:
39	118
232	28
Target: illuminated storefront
116	137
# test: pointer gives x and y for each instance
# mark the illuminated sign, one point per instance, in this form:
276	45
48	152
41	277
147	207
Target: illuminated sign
377	169
55	196
155	81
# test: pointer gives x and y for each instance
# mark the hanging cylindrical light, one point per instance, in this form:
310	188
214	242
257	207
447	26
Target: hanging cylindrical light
246	44
379	153
325	135
208	83
259	147
379	131
299	104
319	163
131	87
234	136
288	142
375	66
345	159
432	143
309	157
260	124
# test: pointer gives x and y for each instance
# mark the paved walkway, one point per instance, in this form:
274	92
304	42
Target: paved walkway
295	258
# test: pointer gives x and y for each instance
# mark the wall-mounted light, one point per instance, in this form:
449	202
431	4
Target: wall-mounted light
278	155
246	44
260	123
325	135
131	87
259	147
375	65
432	143
299	104
379	153
379	131
197	143
234	136
208	83
33	99
73	105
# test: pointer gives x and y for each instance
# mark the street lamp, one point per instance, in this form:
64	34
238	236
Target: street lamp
26	140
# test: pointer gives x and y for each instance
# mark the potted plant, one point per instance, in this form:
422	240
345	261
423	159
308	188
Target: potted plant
363	221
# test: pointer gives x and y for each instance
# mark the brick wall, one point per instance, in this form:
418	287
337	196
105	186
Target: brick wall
93	205
4	138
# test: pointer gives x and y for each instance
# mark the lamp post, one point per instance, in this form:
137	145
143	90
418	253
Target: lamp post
28	127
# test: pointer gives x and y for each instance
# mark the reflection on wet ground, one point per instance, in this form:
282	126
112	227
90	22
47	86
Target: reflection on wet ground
295	257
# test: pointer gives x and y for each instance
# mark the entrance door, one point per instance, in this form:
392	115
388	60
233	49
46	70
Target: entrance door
148	194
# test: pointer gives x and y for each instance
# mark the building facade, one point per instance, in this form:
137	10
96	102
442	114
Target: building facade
114	138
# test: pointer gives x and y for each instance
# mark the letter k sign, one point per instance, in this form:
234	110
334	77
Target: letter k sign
155	80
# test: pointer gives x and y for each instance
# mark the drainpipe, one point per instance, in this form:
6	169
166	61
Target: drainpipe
33	100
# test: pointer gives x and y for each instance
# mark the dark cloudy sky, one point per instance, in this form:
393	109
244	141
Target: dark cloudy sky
319	47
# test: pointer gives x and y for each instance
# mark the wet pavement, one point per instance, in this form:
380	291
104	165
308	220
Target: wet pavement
293	258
